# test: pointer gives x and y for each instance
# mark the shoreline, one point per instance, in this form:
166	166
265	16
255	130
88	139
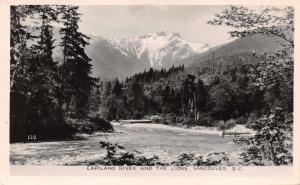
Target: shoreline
238	129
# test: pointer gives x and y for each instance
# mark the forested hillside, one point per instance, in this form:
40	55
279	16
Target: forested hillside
203	95
256	43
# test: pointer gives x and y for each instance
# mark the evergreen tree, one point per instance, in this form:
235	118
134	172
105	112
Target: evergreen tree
76	67
116	102
166	99
107	89
43	70
117	89
187	93
31	66
136	99
95	98
202	96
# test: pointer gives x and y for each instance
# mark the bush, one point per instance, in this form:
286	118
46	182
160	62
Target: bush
205	120
273	143
241	120
101	124
170	119
117	155
90	125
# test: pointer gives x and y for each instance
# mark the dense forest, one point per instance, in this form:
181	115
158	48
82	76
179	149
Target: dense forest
44	92
202	95
54	99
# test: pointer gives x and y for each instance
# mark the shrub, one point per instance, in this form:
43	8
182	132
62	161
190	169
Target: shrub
117	155
205	120
273	142
241	120
101	124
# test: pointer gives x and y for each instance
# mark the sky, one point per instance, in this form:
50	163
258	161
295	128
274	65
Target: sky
136	20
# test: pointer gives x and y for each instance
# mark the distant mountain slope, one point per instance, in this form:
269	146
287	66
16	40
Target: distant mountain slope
255	43
123	57
108	62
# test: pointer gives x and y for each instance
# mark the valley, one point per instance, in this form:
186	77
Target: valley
184	102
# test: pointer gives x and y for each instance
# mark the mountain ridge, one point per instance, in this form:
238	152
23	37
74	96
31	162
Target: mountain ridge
155	50
123	57
257	43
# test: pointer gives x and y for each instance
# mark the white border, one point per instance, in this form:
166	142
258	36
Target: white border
249	175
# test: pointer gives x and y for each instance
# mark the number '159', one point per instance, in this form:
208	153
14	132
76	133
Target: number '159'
31	137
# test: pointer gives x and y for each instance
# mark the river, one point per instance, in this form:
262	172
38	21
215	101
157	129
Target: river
150	139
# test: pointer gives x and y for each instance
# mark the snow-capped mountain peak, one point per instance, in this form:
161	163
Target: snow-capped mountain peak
158	48
123	57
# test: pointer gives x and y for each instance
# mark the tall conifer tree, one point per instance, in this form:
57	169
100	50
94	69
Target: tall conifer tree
76	67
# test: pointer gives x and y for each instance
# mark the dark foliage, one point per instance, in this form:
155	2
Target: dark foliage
45	92
272	145
271	81
101	124
117	155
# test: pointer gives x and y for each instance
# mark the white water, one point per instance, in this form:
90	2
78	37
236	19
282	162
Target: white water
150	139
